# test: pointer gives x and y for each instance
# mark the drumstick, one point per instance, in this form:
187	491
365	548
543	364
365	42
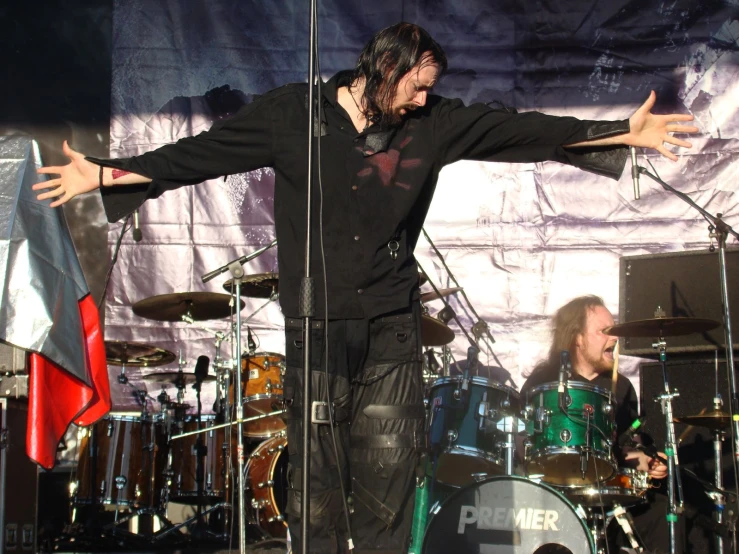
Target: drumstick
614	375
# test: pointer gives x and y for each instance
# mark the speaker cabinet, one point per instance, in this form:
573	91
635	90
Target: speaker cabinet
684	284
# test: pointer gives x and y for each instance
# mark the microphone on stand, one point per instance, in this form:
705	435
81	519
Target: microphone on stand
201	371
137	236
634	172
250	341
564	369
472	353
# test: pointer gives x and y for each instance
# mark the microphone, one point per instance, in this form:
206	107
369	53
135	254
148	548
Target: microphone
626	437
472	353
201	371
137	236
564	367
634	172
250	341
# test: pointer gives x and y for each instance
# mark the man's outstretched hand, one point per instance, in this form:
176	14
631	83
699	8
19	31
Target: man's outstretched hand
77	177
649	130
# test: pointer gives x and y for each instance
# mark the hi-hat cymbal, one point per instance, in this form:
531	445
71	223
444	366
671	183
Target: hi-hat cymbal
136	354
715	419
435	332
662	327
179	378
259	285
429	296
198	305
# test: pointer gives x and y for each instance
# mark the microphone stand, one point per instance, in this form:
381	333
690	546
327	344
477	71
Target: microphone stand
306	304
719	230
241	261
199	470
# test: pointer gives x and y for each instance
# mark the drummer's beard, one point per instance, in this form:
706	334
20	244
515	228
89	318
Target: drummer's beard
602	363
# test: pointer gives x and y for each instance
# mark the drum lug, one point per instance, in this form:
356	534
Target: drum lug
607	408
457	394
269	483
254	503
482	410
565	435
276	518
120	482
542	418
452	436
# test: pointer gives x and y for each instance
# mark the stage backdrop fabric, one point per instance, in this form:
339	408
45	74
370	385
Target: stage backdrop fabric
521	239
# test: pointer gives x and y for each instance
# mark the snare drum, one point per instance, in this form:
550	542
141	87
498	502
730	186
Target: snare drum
266	475
628	487
183	462
462	429
120	463
572	448
261	377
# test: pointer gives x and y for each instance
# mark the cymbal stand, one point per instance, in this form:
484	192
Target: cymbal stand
673	466
719	230
719	501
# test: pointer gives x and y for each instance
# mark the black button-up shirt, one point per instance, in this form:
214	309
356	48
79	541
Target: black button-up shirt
377	184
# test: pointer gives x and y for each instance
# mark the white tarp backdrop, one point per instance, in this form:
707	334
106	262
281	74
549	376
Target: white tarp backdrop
521	240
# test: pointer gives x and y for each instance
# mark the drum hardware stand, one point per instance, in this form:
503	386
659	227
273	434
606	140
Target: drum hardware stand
718	499
509	425
675	506
623	518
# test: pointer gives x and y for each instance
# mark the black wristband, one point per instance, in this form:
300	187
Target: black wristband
101	176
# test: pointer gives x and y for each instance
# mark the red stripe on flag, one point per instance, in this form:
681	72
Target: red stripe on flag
56	398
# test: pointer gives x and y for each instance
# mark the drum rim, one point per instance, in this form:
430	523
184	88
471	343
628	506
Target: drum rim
570	450
439	506
475	380
472	452
554	385
263	355
261	396
617	491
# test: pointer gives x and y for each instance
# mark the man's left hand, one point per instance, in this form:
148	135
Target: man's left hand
648	130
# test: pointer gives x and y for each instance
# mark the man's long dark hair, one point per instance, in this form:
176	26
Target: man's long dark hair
390	54
567	323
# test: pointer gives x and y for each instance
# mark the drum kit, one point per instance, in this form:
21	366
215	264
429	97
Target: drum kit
135	467
559	490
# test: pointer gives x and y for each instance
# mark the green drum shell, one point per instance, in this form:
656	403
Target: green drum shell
468	448
554	451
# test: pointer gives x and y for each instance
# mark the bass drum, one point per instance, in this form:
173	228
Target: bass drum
506	515
266	476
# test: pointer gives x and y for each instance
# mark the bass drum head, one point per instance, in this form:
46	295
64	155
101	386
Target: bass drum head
506	515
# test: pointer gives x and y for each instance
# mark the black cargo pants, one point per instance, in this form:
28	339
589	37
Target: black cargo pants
377	392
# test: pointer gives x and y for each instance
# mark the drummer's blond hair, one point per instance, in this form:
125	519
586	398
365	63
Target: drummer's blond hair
568	322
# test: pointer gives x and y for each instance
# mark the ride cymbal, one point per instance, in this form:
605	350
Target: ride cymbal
200	306
435	332
662	327
433	295
259	285
136	354
715	419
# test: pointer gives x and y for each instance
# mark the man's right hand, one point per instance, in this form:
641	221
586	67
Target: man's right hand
77	177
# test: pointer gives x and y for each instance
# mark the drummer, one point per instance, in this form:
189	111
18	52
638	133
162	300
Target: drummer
577	327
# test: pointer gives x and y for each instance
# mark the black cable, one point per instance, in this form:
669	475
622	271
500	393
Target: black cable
126	226
329	404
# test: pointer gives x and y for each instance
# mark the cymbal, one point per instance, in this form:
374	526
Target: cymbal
198	305
259	285
662	326
435	332
136	354
179	378
715	419
429	296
